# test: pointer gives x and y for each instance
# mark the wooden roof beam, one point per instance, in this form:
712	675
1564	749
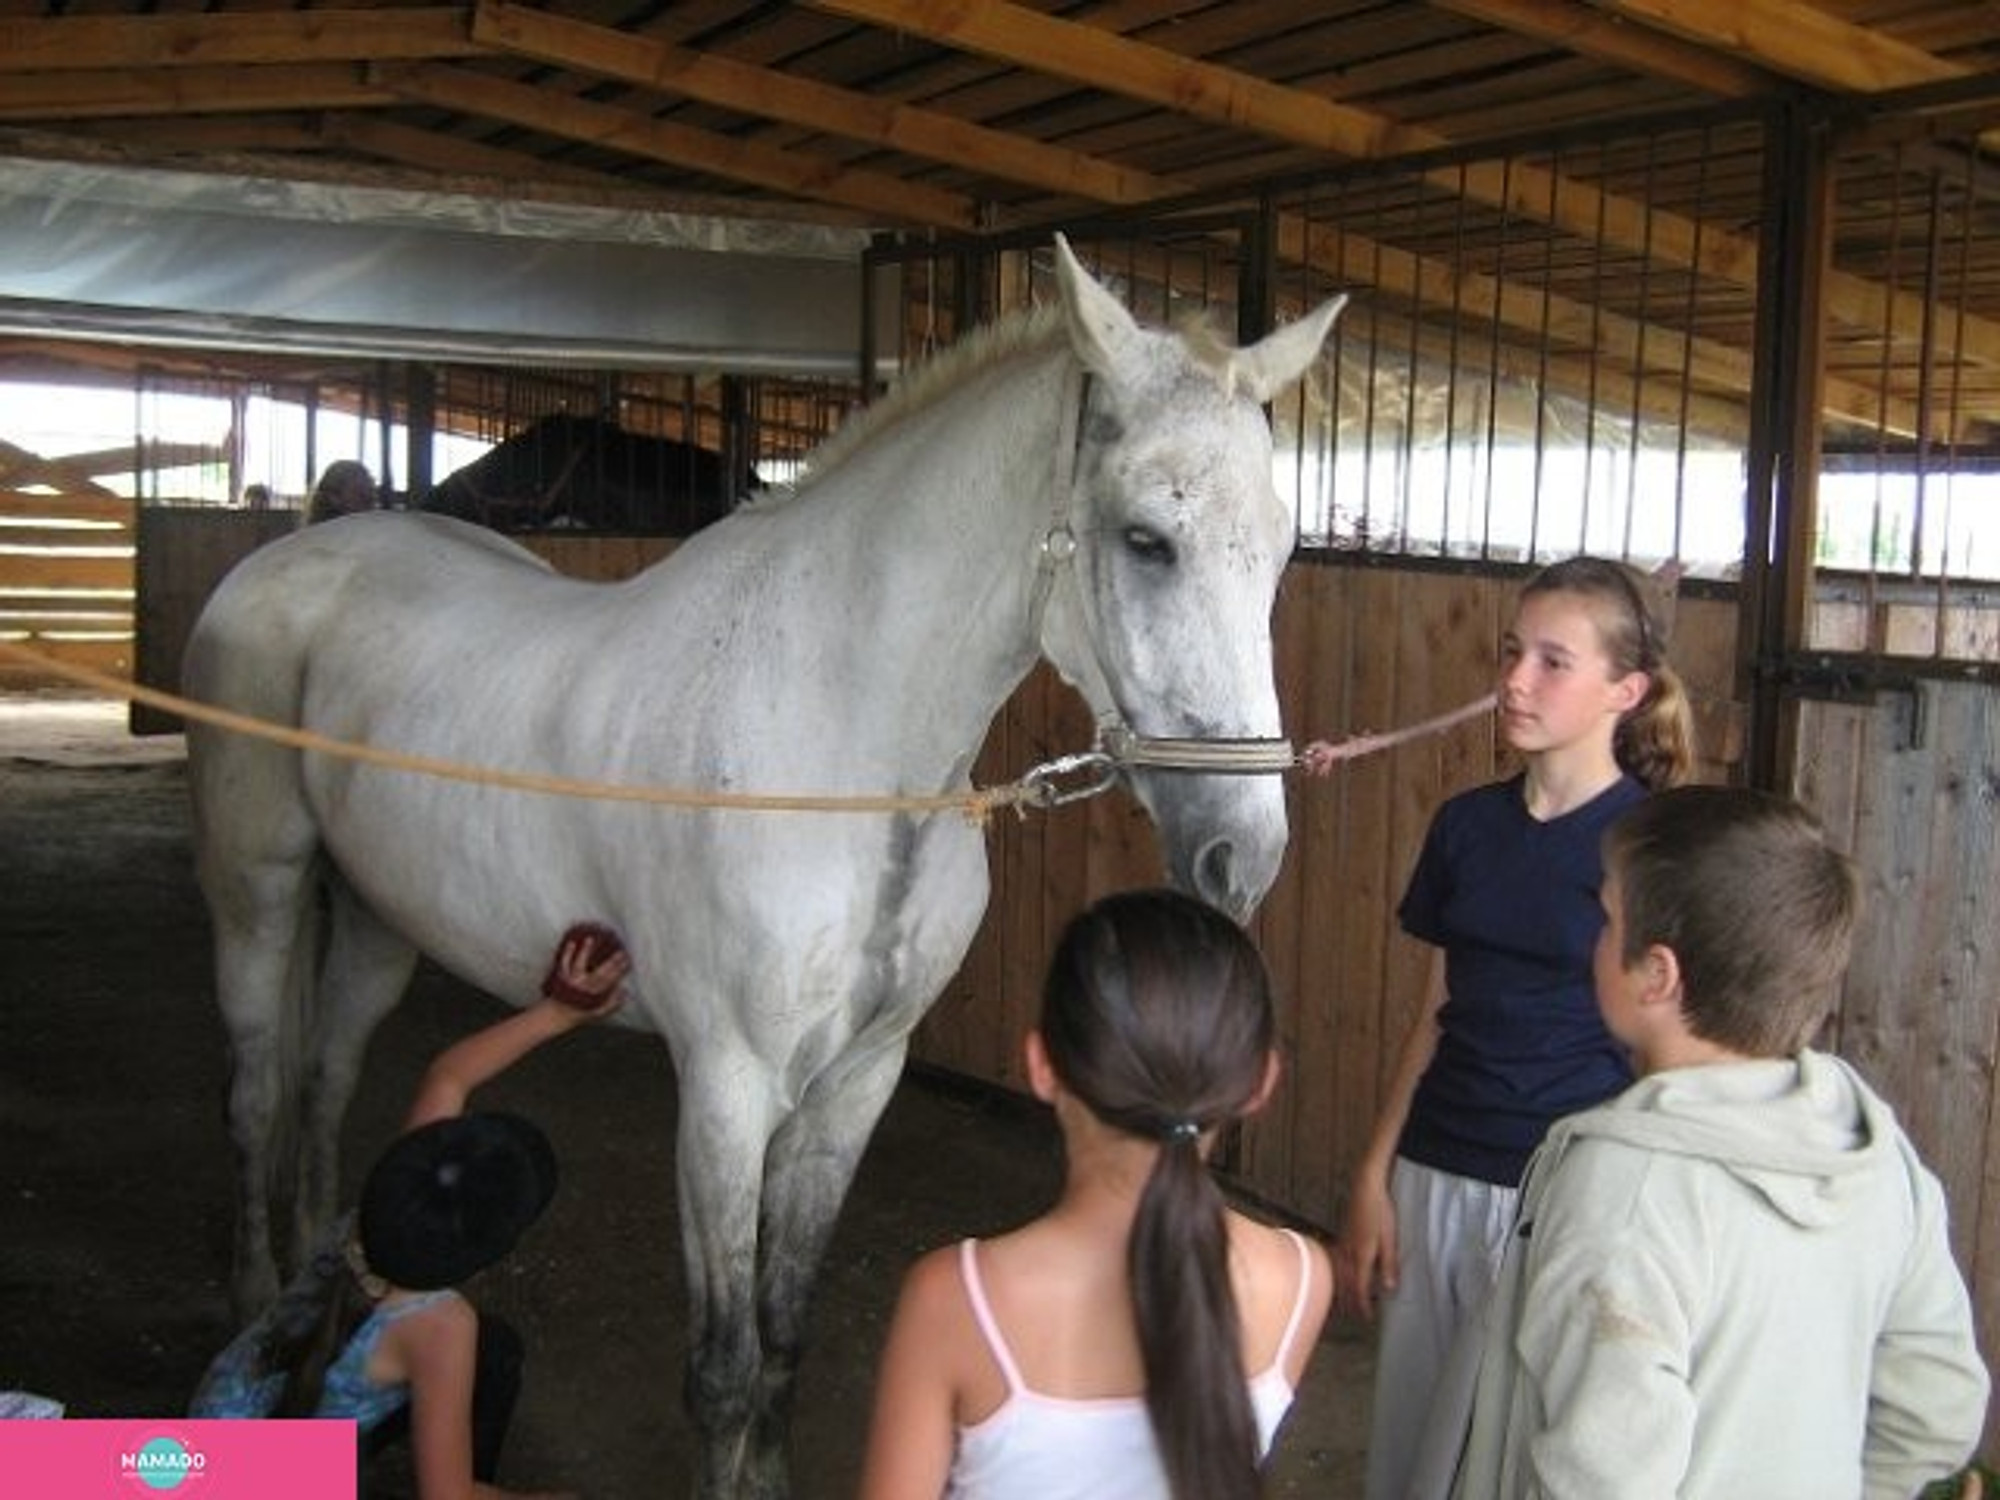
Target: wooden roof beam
768	94
1030	39
209	135
72	44
196	90
890	199
1101	59
1589	31
1806	42
763	92
453	156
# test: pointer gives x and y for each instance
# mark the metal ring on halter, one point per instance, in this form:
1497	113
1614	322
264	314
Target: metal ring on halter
1241	757
1043	785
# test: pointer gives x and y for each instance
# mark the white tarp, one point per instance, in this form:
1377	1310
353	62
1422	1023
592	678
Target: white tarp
118	252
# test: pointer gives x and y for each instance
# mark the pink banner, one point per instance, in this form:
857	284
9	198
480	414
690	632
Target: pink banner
145	1459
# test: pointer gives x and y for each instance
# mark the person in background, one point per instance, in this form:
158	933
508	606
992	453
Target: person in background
1508	1037
1141	1338
375	1329
1735	1279
344	488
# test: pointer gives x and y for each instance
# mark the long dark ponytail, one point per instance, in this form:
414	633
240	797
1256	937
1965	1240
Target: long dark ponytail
1157	1015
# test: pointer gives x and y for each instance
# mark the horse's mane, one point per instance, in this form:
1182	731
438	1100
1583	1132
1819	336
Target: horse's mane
1017	333
1025	331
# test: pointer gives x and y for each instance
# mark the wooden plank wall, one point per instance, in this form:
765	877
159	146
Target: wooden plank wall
1910	786
1359	649
66	581
183	552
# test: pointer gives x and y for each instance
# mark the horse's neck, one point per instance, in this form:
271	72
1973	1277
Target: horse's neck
944	513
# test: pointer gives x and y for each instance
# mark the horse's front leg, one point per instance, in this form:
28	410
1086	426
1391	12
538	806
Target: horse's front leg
810	1167
725	1125
365	971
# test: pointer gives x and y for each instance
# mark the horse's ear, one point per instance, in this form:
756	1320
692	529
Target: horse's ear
1099	325
1279	358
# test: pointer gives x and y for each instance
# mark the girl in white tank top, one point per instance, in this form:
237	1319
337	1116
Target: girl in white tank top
1140	1340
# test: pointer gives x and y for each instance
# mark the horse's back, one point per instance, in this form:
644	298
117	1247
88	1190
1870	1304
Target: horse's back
360	577
322	568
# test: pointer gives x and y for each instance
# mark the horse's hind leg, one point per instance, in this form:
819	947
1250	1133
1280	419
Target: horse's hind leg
807	1172
366	968
264	921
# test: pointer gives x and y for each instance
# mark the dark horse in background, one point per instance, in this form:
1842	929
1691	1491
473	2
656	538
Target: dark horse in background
566	472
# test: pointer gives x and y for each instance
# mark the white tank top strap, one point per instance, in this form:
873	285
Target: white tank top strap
982	1311
1299	1302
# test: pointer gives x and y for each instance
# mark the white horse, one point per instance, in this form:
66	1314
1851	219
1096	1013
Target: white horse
1102	498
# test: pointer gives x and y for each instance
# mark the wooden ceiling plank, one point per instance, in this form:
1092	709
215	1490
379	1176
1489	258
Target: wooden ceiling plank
210	135
1031	39
795	172
1800	41
93	43
767	93
200	90
435	151
1589	32
1098	59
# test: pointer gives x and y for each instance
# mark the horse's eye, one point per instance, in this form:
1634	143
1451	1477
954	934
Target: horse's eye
1149	546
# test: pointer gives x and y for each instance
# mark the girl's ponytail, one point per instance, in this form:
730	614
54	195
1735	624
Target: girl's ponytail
312	1324
1655	741
1190	1333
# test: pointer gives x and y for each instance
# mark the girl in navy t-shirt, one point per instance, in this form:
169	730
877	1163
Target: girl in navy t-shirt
1508	1038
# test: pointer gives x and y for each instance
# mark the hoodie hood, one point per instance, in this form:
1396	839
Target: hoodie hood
1801	1132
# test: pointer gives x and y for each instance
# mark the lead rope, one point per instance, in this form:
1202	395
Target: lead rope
977	806
1053	783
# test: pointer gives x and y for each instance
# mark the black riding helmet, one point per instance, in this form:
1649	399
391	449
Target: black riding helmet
450	1198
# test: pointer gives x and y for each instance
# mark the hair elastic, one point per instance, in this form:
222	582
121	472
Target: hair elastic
1180	1132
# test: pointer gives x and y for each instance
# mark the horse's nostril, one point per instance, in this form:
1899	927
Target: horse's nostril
1215	880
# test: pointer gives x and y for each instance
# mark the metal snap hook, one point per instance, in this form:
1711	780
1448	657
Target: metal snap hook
1044	786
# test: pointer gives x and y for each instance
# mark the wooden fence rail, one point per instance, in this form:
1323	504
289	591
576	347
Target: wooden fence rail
68	579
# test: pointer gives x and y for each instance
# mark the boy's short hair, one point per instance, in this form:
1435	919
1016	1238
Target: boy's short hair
1758	909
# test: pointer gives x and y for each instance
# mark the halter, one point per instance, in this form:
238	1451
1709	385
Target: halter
1120	749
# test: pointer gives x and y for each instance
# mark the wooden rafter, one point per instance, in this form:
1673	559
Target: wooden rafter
769	94
1799	41
451	155
194	90
1031	39
635	134
1591	31
71	44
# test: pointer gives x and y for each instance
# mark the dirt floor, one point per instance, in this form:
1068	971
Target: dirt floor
114	1164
